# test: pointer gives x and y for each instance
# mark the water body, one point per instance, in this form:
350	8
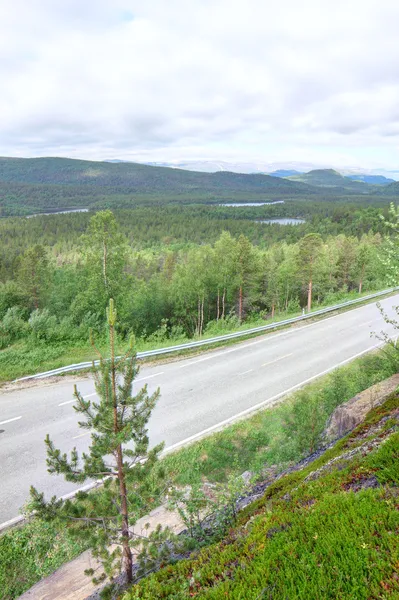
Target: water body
238	204
60	212
282	221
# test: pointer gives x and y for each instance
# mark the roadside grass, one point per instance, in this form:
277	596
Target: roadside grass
32	551
272	438
322	532
23	358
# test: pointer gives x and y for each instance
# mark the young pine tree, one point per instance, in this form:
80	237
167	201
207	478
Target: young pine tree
119	454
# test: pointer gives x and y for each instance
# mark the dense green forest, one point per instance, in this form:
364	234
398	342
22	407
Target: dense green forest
55	290
178	261
45	184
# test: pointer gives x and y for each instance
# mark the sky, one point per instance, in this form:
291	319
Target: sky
178	80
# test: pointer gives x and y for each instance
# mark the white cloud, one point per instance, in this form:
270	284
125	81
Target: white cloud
182	79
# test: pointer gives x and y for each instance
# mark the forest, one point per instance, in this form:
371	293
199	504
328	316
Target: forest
59	271
174	250
46	184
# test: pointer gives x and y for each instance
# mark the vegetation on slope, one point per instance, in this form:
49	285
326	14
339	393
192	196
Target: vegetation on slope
330	530
331	178
29	185
45	182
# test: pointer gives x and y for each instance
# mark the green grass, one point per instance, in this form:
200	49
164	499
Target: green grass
23	358
274	437
31	552
312	540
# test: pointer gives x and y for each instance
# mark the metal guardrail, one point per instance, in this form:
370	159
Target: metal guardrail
221	338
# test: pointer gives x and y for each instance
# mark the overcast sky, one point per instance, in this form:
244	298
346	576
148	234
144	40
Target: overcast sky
153	80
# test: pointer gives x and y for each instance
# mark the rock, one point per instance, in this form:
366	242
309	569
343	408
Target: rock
246	477
350	414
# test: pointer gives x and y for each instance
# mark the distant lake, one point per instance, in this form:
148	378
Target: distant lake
282	221
238	204
59	212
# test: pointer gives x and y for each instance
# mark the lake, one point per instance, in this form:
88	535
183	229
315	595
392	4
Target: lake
238	204
60	212
282	221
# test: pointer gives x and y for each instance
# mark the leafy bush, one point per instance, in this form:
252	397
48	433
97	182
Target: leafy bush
43	326
13	326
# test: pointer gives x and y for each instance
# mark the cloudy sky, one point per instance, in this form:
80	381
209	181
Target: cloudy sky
168	80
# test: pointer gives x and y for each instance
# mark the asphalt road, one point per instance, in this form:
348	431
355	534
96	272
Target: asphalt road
197	395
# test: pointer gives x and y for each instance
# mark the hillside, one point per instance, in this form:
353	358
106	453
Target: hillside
327	530
391	190
331	179
43	184
372	179
134	177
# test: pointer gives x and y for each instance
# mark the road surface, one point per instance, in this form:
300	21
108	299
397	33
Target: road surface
197	395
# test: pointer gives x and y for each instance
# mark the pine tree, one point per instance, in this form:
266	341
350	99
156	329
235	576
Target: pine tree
119	455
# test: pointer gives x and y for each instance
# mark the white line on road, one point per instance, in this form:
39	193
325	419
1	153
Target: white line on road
222	423
276	360
70	401
10	420
245	372
81	435
149	377
267	338
268	401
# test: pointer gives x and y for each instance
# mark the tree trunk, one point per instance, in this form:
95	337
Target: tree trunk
310	295
202	315
223	302
105	264
218	307
127	552
361	280
240	304
273	307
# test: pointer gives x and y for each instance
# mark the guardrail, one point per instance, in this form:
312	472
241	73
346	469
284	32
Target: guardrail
221	338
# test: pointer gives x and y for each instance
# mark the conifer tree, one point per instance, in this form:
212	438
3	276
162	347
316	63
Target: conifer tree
119	455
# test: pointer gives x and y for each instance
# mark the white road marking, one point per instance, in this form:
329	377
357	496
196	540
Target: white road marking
70	401
81	435
267	337
268	401
149	377
245	372
276	360
10	420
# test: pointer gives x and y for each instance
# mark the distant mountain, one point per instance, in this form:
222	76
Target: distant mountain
371	179
329	178
214	166
391	190
285	173
50	183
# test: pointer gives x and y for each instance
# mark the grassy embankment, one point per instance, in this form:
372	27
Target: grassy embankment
328	531
277	436
27	357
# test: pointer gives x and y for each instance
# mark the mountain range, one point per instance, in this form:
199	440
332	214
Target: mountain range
37	184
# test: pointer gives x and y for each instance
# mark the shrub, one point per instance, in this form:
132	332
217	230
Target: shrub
13	326
43	326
